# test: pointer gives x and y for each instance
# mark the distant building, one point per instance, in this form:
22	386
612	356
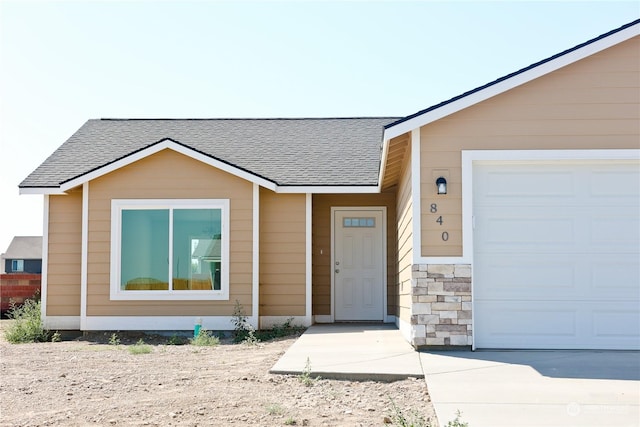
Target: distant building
24	255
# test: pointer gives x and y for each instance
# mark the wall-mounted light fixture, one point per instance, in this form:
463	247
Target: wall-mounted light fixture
441	183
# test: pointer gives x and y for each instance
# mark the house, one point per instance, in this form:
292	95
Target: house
506	217
22	265
24	255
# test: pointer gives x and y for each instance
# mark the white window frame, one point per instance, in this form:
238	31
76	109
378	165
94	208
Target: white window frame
118	205
19	265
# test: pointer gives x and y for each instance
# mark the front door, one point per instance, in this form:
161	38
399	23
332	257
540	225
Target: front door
358	264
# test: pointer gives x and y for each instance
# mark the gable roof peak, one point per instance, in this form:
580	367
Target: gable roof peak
513	79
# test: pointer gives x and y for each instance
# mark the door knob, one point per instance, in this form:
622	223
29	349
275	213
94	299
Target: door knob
337	270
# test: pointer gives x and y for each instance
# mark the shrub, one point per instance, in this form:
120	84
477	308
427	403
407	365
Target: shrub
241	326
406	419
27	325
205	339
114	340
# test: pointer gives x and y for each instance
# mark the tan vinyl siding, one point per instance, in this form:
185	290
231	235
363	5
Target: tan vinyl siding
64	254
282	254
321	241
591	104
404	223
169	175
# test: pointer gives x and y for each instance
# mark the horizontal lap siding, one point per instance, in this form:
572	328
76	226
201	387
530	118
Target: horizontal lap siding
282	254
405	241
169	175
321	241
591	104
64	254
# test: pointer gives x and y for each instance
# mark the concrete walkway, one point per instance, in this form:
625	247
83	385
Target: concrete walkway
490	388
352	351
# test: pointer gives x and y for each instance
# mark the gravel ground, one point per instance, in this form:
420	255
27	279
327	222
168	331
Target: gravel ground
87	381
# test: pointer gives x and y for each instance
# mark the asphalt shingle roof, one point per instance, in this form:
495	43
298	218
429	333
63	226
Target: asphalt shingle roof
288	152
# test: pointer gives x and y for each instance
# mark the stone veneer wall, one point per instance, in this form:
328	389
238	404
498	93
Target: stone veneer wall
441	305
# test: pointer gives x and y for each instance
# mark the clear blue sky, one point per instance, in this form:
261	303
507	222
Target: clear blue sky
62	63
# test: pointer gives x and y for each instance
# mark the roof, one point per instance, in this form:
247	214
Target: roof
511	80
286	152
24	247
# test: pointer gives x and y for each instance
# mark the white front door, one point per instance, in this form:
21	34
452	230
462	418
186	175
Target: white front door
358	264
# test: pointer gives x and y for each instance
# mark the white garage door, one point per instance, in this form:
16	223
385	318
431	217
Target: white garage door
557	255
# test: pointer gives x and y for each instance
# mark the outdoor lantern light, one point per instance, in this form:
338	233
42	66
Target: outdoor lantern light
441	183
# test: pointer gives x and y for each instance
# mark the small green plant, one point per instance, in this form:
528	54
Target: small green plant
27	324
457	422
406	419
290	421
251	339
56	337
140	347
205	339
274	409
175	340
114	340
305	377
241	326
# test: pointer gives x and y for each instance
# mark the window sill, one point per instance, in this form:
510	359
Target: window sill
169	296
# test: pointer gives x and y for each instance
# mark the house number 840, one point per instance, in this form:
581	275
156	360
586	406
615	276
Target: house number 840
433	209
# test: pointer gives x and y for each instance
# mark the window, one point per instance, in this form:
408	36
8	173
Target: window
170	249
17	265
359	222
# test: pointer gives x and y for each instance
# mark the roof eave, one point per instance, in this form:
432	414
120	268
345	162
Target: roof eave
512	80
163	144
40	190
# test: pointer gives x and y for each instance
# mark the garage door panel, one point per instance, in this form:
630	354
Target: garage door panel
513	182
557	276
606	323
616	274
529	230
554	325
515	325
605	183
512	278
614	229
557	267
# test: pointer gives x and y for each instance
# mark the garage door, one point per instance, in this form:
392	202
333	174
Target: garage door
557	255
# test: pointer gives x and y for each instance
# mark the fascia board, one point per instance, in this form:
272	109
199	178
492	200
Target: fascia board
338	189
162	145
512	82
41	190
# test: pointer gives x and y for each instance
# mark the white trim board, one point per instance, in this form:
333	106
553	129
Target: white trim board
161	323
84	254
469	157
68	323
308	259
267	322
179	148
45	259
163	145
255	271
512	82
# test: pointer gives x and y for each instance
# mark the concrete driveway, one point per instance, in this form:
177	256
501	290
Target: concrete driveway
535	388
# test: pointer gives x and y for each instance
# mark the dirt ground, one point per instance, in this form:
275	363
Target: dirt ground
87	381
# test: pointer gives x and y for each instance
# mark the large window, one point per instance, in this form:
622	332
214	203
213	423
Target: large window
170	249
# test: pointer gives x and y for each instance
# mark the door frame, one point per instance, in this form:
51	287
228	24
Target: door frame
382	209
